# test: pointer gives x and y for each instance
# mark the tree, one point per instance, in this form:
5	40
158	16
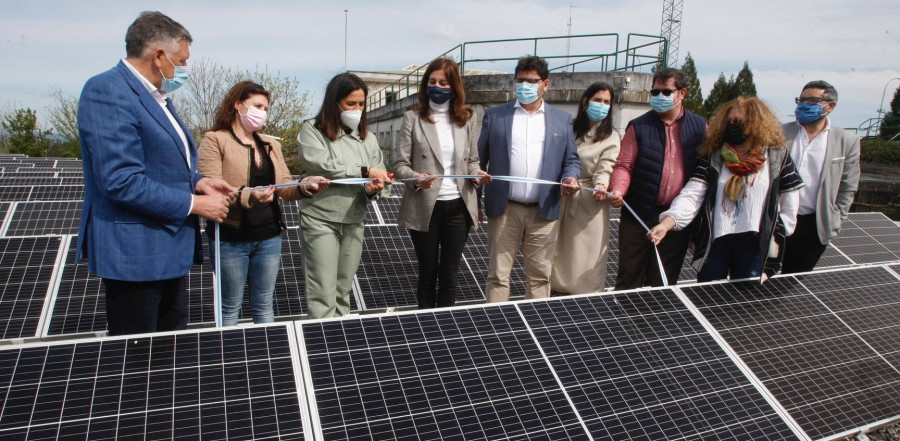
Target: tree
198	100
693	101
63	116
743	84
23	133
720	93
890	125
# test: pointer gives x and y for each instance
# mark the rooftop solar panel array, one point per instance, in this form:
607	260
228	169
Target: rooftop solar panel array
26	273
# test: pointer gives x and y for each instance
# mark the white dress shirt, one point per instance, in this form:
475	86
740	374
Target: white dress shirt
809	158
441	115
526	152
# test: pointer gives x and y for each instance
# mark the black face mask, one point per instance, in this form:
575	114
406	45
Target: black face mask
734	134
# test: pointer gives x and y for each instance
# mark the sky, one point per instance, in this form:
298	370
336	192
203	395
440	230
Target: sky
59	44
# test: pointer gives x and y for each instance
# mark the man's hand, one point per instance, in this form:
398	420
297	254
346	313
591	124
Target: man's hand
600	194
212	207
569	186
484	179
214	186
615	199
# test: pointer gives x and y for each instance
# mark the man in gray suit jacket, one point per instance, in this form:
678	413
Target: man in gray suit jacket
526	138
827	159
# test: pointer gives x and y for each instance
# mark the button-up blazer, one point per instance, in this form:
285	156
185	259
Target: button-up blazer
839	179
419	151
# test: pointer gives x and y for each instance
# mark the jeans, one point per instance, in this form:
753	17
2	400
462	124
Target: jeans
439	251
260	261
735	254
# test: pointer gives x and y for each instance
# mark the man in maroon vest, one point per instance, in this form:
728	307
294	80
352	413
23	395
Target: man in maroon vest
659	151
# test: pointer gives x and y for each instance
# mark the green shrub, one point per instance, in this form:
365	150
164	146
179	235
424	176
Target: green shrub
880	151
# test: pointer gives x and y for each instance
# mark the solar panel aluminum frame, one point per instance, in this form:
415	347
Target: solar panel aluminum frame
7	220
53	288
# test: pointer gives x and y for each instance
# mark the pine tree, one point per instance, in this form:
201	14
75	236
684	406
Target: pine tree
890	125
24	134
743	84
720	93
693	101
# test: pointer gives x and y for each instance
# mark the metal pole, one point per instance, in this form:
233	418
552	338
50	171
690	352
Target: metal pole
881	107
345	38
217	301
569	36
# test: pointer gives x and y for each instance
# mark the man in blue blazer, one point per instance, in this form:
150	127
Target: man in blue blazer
139	226
526	138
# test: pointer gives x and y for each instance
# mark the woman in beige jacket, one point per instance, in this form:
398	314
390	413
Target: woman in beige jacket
251	233
583	242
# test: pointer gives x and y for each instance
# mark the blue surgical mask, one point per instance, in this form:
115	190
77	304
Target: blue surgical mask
178	79
808	112
527	93
597	111
661	103
439	95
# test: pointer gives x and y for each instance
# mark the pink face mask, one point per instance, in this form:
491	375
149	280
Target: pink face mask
254	119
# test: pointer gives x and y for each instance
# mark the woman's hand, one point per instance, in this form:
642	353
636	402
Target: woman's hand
600	194
374	186
658	232
484	179
262	194
424	183
378	173
310	190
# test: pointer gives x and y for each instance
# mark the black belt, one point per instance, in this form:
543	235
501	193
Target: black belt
527	204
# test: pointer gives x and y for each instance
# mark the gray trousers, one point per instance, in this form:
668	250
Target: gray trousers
331	255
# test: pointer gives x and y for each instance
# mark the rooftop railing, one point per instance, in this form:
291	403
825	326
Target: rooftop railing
602	53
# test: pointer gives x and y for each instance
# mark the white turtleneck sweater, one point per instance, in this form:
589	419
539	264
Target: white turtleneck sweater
441	115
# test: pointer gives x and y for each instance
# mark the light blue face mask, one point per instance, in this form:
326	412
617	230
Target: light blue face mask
527	93
662	103
597	111
182	73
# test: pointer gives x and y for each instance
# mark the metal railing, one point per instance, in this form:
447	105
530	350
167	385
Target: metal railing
641	50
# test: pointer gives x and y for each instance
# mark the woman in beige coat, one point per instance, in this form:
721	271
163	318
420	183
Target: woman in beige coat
250	246
583	242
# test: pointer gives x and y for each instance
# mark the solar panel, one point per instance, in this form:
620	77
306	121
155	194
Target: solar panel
40	218
387	272
869	238
80	302
26	271
237	383
15	180
831	258
57	193
390	209
14	193
823	368
629	366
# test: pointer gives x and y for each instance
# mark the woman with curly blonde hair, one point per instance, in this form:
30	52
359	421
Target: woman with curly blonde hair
744	190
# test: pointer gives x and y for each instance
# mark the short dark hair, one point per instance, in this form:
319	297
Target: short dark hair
531	62
663	76
225	114
830	91
152	27
328	120
582	123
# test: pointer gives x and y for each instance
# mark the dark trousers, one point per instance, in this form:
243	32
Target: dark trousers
736	255
439	251
139	307
637	260
802	249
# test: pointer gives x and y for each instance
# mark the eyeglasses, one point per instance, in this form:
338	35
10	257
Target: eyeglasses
810	99
528	80
665	92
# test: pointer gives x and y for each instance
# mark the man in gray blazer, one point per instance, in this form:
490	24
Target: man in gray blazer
827	159
526	138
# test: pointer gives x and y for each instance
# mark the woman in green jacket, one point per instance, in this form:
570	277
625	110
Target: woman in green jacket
337	145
